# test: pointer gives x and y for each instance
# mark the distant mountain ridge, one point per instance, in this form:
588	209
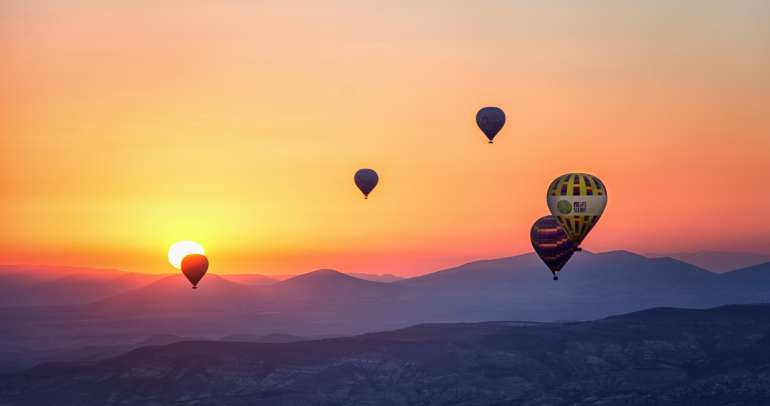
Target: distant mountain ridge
45	285
329	279
250	279
330	303
174	295
28	285
718	261
385	277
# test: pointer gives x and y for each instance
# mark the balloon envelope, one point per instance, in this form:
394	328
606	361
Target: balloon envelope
194	266
490	120
551	243
577	200
366	179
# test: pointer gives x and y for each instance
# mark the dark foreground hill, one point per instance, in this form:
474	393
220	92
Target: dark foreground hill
661	356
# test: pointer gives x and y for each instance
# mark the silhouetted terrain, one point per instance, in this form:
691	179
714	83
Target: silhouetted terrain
385	277
34	286
328	303
251	279
719	261
267	338
659	356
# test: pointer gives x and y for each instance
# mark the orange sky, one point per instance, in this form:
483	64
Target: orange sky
124	128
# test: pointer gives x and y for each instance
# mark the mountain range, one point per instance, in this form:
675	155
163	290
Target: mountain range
24	285
668	356
330	303
718	261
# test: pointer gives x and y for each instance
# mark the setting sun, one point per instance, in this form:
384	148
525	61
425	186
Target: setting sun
181	249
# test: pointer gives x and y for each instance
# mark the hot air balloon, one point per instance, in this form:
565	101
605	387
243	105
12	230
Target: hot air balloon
366	180
551	243
490	120
194	266
577	200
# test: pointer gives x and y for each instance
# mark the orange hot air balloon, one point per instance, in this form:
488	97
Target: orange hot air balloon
194	266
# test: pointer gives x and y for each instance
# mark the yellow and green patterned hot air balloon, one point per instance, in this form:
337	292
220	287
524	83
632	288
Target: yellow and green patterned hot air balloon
577	200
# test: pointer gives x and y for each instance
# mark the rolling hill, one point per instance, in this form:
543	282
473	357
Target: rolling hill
718	261
330	303
173	295
41	286
658	356
250	279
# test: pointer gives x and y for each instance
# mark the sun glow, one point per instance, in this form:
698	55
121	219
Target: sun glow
181	249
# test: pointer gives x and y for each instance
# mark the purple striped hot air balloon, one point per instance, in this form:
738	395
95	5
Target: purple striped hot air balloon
551	243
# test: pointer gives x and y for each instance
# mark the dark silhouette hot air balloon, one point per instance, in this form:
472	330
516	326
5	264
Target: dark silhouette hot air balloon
577	200
366	180
194	266
490	120
551	243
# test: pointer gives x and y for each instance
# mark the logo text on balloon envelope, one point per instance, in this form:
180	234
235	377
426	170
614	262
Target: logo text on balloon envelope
564	207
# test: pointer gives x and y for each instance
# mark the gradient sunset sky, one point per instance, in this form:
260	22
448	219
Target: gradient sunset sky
127	126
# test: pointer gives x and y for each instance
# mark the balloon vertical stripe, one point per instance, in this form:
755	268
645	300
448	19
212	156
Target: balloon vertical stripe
577	200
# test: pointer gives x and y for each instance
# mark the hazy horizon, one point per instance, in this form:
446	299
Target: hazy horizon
745	259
